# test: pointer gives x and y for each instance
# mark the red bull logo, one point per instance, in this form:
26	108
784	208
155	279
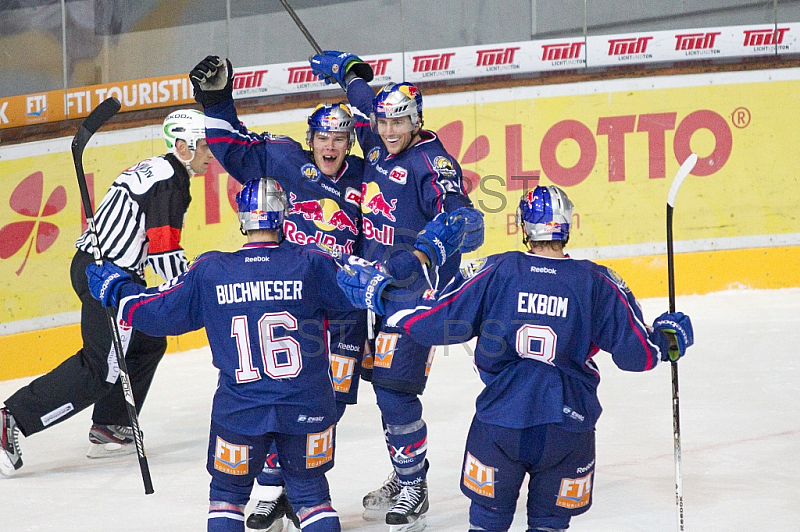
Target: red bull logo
377	204
341	221
552	227
310	209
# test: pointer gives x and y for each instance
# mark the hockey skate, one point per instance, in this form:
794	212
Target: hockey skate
379	501
110	440
10	452
408	513
268	515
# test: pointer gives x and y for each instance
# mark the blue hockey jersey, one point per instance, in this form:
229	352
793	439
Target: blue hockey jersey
403	192
539	321
322	208
264	309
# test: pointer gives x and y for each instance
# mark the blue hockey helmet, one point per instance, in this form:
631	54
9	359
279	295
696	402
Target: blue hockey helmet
399	99
545	213
332	118
261	204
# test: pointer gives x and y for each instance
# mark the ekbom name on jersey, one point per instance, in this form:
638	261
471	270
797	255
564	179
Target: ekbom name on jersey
542	304
259	291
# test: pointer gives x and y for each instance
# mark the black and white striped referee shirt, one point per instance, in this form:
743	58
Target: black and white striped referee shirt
140	219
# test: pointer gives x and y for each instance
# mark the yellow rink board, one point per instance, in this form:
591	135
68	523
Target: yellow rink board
39	351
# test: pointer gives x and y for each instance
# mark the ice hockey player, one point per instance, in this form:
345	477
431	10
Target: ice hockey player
138	223
323	183
263	308
540	318
408	179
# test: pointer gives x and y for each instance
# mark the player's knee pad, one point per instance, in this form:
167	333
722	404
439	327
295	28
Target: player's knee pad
320	518
398	408
307	492
224	516
224	491
491	519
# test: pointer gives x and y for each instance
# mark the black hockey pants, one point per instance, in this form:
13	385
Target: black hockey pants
80	380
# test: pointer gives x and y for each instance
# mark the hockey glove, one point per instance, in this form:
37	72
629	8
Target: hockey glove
363	285
678	327
105	282
441	238
473	228
212	80
340	67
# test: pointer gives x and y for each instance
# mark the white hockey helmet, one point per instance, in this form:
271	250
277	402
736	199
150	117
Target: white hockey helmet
184	124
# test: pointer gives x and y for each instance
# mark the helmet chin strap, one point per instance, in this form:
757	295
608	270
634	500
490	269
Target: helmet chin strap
187	164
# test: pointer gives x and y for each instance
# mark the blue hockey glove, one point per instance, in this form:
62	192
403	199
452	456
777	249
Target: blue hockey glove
677	326
212	80
441	237
473	228
332	66
363	285
105	282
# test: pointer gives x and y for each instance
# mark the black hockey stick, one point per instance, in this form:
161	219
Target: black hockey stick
682	173
99	116
305	32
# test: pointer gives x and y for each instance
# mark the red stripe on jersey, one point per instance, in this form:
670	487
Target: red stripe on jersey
163	239
650	361
450	299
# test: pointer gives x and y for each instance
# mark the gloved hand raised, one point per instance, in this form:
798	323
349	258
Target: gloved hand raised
332	66
105	282
363	284
473	228
678	327
212	80
441	237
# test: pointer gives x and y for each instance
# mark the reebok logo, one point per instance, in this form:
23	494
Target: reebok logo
536	269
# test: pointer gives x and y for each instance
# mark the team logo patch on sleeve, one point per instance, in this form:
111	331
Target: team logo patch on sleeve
444	167
619	281
575	492
478	477
231	458
319	448
385	345
342	368
472	268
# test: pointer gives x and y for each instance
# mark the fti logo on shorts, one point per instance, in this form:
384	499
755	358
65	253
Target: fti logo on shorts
385	345
478	477
575	492
342	372
319	448
231	458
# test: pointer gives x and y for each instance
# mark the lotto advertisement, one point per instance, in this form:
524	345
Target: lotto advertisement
614	147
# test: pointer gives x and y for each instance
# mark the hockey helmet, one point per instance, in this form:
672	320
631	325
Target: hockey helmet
545	213
332	118
399	99
261	204
184	124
